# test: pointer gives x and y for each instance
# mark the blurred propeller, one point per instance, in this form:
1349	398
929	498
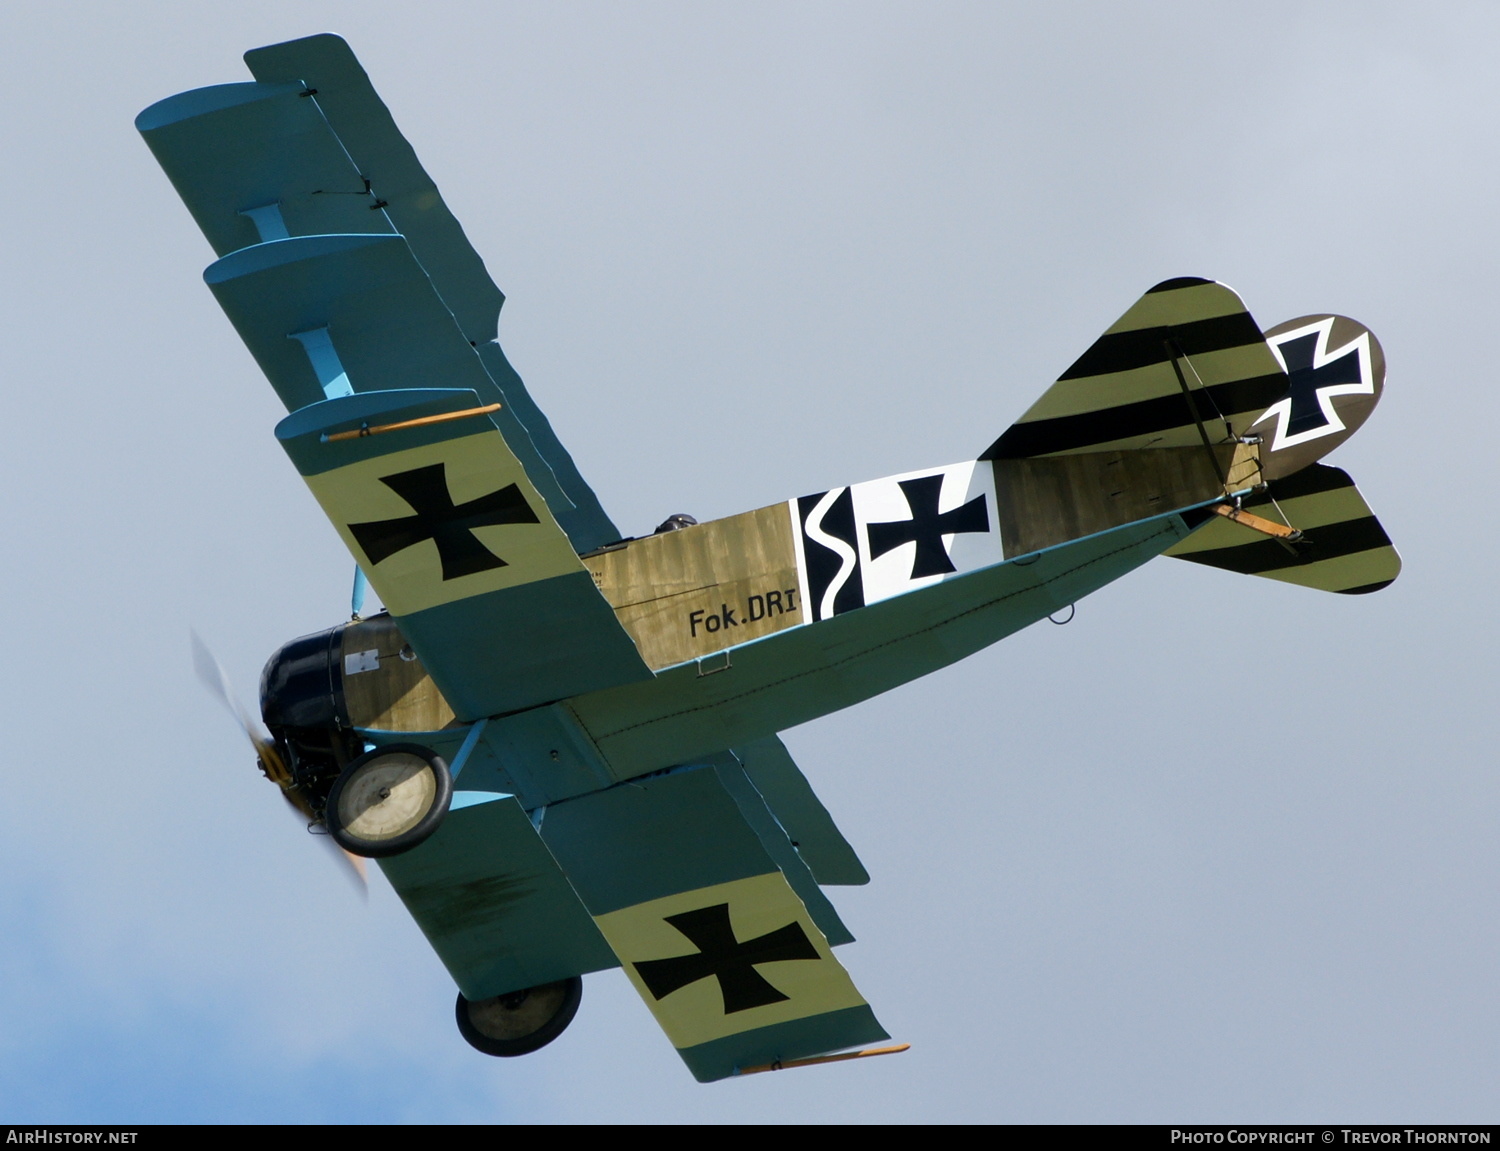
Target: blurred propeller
212	675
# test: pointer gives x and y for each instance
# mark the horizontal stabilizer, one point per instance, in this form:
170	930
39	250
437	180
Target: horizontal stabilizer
1147	421
1342	547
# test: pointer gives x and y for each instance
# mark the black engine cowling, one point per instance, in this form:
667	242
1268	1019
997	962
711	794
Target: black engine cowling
302	703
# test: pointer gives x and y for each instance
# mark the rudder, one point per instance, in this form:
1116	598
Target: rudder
1148	420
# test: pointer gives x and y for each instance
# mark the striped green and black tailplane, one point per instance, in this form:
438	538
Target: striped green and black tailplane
1184	403
1341	545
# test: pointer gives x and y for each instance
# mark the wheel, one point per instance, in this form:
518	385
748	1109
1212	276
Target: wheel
519	1022
388	800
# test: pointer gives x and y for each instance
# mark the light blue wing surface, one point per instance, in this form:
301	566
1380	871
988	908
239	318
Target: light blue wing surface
493	903
309	150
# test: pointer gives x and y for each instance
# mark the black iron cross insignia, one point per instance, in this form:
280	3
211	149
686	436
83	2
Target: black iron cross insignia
1306	381
927	527
438	519
724	957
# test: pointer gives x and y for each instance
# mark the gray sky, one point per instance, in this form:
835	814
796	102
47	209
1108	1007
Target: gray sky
1220	849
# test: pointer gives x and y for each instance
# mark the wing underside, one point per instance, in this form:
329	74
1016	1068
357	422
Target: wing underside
716	920
703	882
460	547
309	151
357	293
493	902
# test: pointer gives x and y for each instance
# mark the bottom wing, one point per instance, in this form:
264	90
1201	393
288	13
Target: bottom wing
493	903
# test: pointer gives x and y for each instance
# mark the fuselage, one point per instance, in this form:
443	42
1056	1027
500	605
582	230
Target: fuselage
748	626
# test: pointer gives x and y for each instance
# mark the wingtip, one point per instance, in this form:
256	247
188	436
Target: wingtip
329	44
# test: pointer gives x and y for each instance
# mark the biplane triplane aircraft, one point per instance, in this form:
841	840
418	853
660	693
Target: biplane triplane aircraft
560	742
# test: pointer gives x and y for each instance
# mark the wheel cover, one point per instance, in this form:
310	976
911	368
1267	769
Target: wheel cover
522	1021
517	1015
387	797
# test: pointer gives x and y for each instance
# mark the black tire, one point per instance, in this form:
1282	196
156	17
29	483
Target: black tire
519	1022
389	800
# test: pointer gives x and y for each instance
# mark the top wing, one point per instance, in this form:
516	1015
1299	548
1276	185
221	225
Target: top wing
716	920
440	515
309	150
